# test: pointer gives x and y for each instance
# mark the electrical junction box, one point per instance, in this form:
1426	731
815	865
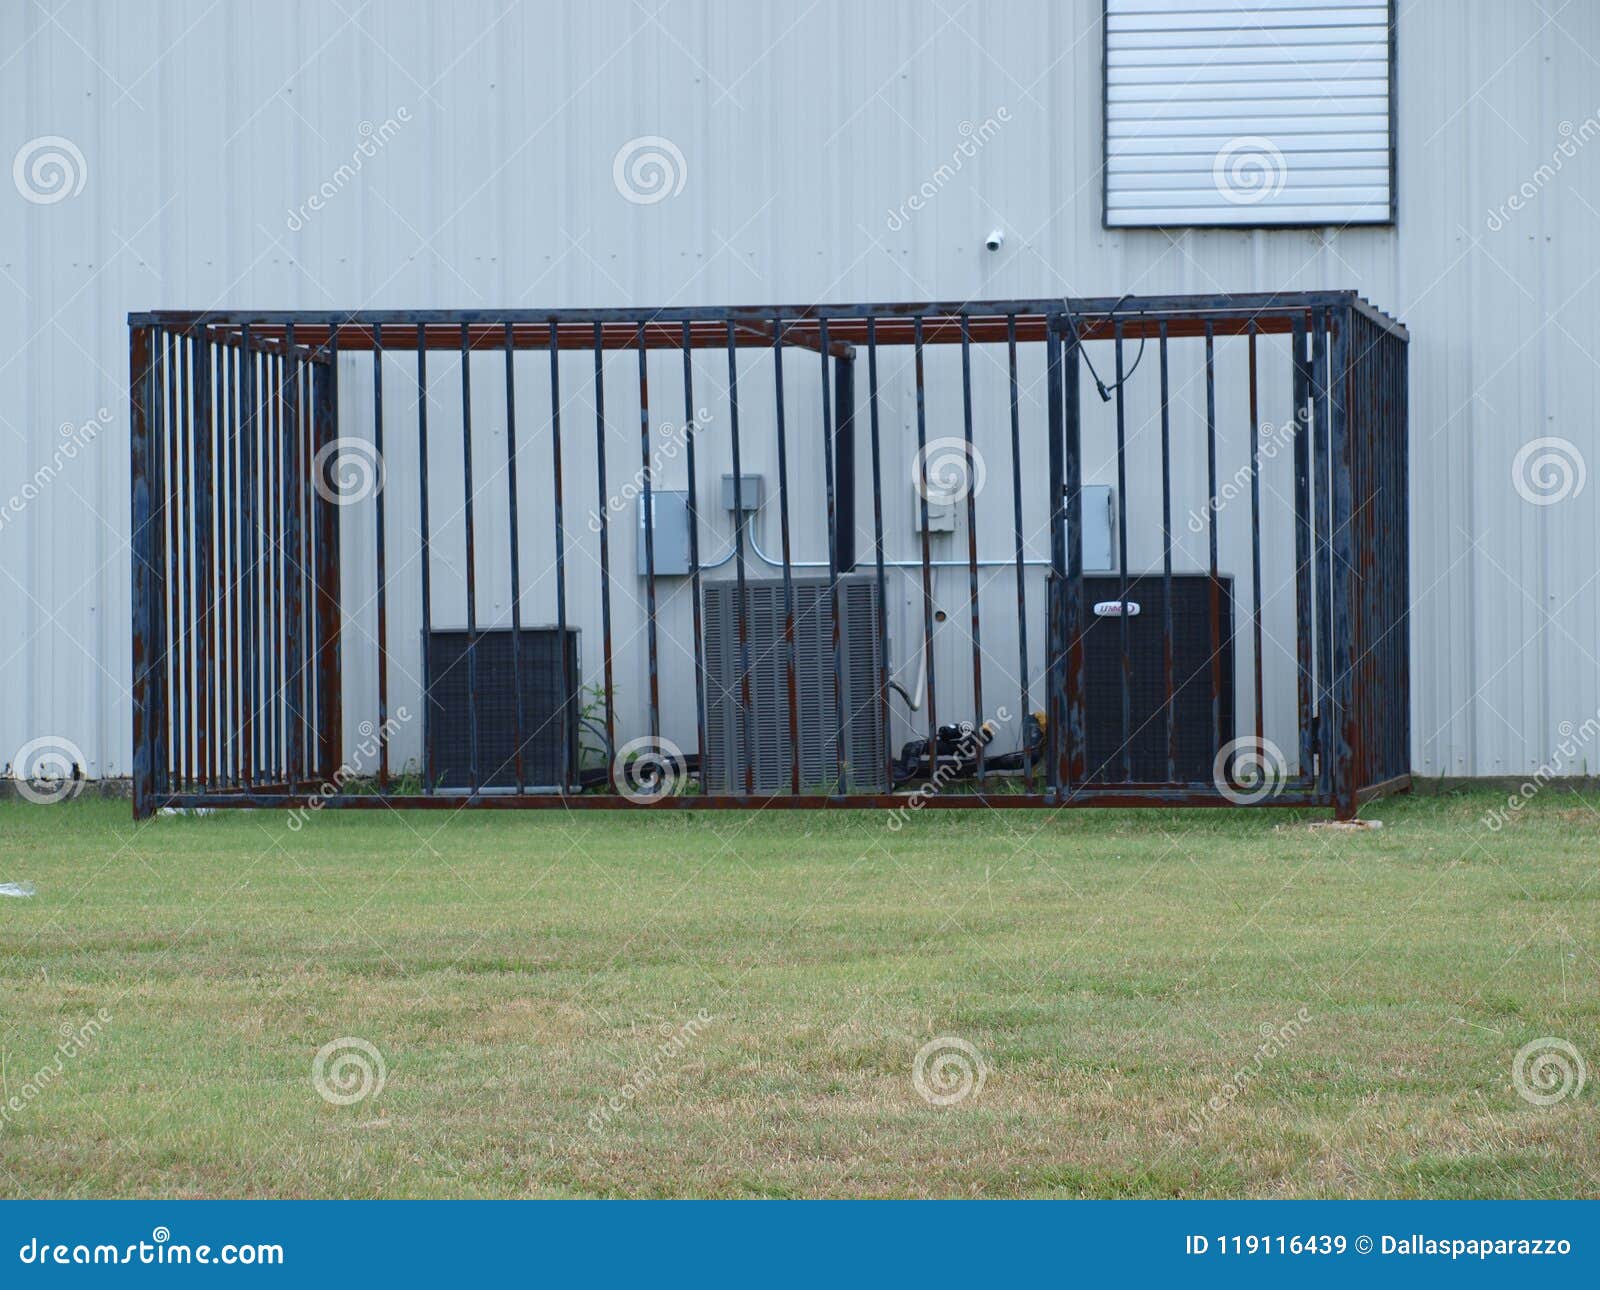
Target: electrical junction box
749	493
1099	528
671	535
941	514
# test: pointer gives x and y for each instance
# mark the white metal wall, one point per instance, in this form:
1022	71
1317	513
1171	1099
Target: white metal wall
830	152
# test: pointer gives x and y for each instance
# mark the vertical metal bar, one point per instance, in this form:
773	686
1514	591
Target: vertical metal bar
519	713
840	736
330	699
649	538
927	558
746	733
474	697
146	609
1214	583
877	551
205	567
1122	572
379	557
186	540
1056	678
605	553
237	479
844	457
1076	724
1166	541
160	509
1322	482
1344	731
425	559
972	540
691	431
1255	539
1305	664
279	523
294	496
249	493
789	648
1022	580
172	355
568	698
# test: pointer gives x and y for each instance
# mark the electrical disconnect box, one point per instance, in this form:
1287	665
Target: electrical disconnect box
671	536
749	493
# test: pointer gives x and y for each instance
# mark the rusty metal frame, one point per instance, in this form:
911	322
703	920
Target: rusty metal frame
237	649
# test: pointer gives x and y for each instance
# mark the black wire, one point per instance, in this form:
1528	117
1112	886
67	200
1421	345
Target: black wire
1107	390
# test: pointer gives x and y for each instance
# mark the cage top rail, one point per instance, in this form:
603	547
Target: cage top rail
887	322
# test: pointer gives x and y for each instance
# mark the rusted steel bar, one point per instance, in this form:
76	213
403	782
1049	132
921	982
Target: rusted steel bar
1022	578
379	556
877	550
1322	480
791	682
1077	686
147	604
605	558
1345	736
1168	707
234	585
172	358
649	541
1255	543
426	561
972	548
842	718
330	697
204	558
250	493
569	772
927	557
1214	581
474	694
691	431
1057	681
1305	662
1122	570
299	468
746	718
519	714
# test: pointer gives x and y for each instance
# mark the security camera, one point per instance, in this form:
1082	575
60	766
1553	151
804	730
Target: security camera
995	238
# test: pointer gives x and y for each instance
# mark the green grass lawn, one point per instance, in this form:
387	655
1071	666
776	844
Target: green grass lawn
1164	1004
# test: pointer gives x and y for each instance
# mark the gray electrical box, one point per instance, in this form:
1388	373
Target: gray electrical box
1099	528
671	536
749	492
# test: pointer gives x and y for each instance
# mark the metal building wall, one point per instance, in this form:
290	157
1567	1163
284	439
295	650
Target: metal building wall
468	156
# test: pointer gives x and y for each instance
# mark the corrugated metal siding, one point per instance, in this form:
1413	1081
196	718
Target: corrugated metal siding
204	130
1247	112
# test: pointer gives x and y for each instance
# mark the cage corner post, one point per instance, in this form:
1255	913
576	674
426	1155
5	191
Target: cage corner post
1346	734
146	516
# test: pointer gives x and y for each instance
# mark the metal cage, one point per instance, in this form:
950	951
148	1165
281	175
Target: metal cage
273	602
